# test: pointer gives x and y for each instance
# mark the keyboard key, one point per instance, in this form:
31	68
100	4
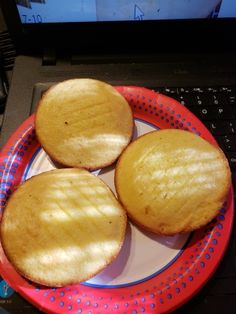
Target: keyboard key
170	90
208	113
228	142
224	112
232	159
213	99
213	112
219	127
232	126
194	99
184	90
199	90
205	113
226	89
165	90
186	99
212	89
231	99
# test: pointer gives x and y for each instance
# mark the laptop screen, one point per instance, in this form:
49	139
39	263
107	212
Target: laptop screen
54	11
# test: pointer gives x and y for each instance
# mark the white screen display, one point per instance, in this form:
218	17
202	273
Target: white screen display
54	11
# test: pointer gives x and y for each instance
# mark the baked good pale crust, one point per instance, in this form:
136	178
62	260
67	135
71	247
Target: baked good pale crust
172	181
62	227
84	123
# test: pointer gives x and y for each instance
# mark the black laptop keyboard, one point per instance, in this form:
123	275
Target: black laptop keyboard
216	108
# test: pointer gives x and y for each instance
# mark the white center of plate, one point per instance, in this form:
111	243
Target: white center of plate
143	254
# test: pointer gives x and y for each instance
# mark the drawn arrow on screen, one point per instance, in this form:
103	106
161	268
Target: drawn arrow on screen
138	13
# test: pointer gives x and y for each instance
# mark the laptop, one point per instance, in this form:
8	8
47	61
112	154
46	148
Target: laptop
184	49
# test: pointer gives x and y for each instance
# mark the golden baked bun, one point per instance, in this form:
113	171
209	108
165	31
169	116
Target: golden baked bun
62	227
172	181
84	123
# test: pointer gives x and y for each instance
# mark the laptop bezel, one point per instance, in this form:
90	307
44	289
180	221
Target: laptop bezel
158	35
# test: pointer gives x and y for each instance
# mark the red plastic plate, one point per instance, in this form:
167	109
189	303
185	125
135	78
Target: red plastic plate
183	263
